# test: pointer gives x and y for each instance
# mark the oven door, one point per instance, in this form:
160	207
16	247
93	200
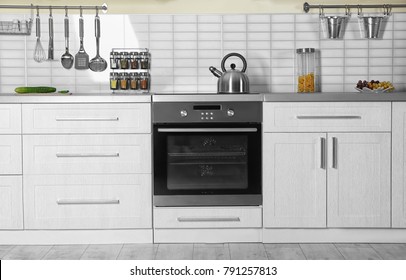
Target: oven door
207	164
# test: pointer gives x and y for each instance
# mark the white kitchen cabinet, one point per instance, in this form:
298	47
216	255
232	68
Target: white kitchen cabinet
86	118
294	180
87	201
358	178
87	154
356	188
399	165
10	155
11	202
10	118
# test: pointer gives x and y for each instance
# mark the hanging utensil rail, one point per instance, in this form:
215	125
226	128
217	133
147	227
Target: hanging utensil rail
307	6
42	7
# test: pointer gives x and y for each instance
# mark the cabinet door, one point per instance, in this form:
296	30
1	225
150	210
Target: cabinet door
11	202
10	154
10	118
358	180
294	183
399	165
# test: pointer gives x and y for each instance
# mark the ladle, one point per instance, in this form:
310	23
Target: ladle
97	64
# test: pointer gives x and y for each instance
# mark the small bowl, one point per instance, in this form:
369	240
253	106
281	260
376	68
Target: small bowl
378	90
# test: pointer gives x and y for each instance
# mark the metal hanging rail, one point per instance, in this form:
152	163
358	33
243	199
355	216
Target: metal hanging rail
43	7
307	6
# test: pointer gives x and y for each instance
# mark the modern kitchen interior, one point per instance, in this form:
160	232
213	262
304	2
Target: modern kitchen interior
202	130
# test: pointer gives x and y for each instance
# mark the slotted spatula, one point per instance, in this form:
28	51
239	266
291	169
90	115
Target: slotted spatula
81	58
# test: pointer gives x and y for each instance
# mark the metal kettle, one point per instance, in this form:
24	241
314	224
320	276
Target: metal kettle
232	81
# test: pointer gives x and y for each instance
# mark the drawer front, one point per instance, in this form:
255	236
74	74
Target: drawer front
86	118
10	154
327	116
207	217
87	154
87	202
10	118
11	202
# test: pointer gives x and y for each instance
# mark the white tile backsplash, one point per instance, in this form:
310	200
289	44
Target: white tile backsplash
184	46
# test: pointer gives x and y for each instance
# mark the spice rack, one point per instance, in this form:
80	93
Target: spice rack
130	70
16	27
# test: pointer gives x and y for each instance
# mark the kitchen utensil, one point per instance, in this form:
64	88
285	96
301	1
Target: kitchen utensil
67	58
333	26
51	36
371	27
81	58
97	64
39	53
231	81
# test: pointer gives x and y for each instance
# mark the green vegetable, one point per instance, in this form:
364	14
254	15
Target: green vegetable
35	89
63	91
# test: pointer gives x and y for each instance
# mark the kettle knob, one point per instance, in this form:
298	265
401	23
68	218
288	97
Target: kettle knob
237	55
232	66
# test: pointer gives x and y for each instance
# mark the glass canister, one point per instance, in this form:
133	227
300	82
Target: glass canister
144	60
306	65
124	58
144	81
134	81
123	81
114	60
114	81
134	61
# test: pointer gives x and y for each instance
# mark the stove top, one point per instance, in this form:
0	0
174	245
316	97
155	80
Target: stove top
206	97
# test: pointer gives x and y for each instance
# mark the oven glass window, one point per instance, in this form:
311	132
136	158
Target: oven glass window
207	162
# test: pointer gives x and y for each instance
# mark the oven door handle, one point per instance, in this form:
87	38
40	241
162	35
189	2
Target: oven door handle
217	129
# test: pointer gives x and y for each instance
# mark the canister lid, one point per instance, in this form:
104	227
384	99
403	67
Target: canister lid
305	50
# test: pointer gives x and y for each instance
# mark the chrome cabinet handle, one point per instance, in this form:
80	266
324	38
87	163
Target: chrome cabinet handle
323	153
327	117
59	119
86	201
209	219
241	129
335	150
61	155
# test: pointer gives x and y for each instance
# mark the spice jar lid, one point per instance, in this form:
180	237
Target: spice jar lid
305	50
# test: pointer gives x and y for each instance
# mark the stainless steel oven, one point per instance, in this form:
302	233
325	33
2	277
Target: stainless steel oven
207	153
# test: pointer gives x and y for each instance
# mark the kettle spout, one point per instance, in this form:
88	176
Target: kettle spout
215	72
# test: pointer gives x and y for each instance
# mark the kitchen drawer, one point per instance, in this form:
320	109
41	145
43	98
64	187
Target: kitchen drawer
87	202
327	116
10	154
11	202
207	217
10	118
87	154
86	118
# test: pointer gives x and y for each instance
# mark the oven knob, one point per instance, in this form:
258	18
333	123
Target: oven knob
230	112
183	113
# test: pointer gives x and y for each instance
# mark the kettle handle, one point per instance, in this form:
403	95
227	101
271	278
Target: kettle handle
237	55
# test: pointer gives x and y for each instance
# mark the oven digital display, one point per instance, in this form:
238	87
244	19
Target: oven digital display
207	107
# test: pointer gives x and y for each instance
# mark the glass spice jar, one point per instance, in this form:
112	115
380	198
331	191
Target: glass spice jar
123	81
144	81
134	81
134	62
144	60
124	60
113	81
114	57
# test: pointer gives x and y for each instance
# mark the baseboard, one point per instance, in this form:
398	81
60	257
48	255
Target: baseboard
334	235
45	237
207	235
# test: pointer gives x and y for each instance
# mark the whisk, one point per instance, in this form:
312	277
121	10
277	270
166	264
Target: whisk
39	53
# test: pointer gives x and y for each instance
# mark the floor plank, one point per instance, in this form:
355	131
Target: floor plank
391	251
4	249
321	251
66	252
138	252
102	252
27	252
284	252
357	251
211	252
247	251
174	252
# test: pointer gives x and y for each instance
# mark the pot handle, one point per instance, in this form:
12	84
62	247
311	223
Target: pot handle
237	55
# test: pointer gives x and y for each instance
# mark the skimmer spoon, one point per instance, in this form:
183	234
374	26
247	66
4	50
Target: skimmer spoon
67	58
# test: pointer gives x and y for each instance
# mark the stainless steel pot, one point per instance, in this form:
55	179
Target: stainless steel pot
231	81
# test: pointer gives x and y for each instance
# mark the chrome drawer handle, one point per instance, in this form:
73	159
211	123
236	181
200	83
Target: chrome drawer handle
209	219
323	153
61	155
59	119
335	152
327	117
86	201
241	129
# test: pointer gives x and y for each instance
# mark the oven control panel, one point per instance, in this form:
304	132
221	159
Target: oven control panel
201	112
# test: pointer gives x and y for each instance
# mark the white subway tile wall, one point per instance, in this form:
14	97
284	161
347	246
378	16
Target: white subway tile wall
183	47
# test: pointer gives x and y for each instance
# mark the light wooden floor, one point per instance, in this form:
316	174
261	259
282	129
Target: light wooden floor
226	251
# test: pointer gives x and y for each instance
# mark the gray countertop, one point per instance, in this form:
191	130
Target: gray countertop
334	97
